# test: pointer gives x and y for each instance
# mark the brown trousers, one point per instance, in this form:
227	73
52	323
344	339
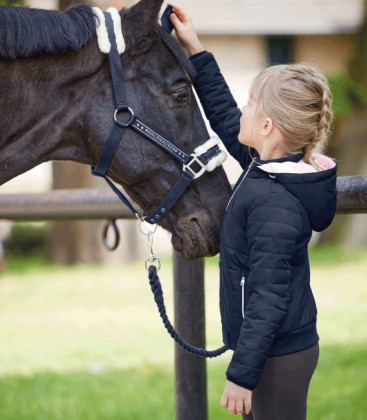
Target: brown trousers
281	393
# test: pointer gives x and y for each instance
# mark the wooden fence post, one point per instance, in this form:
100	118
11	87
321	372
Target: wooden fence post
189	313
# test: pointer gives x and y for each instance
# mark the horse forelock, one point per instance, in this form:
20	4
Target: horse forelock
26	32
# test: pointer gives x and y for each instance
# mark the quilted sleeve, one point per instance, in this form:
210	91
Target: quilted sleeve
274	223
219	105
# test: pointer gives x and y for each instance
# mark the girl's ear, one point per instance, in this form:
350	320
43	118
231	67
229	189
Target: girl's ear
267	127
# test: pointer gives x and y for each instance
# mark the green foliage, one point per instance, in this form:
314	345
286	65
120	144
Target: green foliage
12	3
348	95
27	241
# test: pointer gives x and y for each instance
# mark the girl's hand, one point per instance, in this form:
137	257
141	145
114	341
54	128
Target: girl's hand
235	397
185	30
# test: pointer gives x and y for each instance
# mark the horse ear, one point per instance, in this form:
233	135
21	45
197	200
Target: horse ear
146	12
139	22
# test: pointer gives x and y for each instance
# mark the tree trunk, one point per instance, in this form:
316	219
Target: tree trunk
348	145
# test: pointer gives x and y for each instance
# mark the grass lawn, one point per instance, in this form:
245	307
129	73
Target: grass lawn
87	342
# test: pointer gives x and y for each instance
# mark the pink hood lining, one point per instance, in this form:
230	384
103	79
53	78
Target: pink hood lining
300	167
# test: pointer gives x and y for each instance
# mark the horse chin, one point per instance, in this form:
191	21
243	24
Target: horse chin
194	238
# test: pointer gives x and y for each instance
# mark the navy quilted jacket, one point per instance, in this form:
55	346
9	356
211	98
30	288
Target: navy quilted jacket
266	302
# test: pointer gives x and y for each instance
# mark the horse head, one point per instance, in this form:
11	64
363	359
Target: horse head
67	98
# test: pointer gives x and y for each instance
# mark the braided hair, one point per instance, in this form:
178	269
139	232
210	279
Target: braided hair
298	100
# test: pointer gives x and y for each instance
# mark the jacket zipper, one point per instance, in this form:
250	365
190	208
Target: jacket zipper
243	279
238	186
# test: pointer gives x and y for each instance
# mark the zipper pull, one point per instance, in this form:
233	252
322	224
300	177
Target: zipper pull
274	177
243	281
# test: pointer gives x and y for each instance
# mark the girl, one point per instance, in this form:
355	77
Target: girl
287	189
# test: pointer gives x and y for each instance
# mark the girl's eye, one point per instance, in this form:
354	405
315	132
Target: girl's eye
181	95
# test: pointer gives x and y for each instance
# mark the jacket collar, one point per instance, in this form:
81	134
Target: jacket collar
291	158
315	190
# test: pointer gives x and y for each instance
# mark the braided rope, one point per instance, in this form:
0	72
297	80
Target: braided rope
156	287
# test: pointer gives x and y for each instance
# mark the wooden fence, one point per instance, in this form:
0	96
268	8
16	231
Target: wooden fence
189	301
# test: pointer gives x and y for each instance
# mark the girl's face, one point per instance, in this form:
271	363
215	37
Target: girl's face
249	132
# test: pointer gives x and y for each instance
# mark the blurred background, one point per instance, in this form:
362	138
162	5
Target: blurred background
76	343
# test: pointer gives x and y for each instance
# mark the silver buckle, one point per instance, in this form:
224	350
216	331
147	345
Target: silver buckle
195	159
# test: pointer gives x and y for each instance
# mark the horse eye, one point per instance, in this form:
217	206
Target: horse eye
180	95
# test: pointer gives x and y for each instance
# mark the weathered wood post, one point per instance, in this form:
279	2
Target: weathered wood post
189	313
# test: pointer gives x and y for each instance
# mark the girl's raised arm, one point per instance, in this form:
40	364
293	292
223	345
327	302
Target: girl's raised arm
216	99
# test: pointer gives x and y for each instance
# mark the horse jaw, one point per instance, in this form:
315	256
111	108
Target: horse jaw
195	238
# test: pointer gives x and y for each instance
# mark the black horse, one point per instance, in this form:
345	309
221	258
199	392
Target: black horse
57	104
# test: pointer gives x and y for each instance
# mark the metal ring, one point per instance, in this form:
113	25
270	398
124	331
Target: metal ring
129	121
117	235
151	259
150	228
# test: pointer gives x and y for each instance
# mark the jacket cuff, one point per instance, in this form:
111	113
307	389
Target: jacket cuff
240	383
201	58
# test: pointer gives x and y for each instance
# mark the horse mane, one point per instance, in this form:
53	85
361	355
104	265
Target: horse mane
177	51
26	32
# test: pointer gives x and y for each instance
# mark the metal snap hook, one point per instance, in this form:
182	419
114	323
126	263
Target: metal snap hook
147	228
151	259
111	223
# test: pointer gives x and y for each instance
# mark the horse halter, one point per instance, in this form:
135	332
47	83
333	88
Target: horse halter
205	157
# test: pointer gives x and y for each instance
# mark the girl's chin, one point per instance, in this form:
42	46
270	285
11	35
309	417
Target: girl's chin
242	141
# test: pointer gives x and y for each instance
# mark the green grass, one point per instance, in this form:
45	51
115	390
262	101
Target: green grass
87	342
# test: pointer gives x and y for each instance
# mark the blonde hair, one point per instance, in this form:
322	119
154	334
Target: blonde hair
297	98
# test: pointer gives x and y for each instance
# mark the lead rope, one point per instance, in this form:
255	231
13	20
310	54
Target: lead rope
156	287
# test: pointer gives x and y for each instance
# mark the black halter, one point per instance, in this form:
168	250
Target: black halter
187	175
193	165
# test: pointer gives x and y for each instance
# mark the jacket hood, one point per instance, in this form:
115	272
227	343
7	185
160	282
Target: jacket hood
316	190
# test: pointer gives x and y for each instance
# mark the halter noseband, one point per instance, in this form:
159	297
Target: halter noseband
206	157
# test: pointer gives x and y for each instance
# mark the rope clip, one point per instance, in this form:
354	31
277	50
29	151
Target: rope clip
149	230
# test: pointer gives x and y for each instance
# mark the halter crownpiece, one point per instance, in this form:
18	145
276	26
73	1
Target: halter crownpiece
104	43
206	157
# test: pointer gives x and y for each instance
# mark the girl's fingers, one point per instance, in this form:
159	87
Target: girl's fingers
240	406
232	406
248	405
224	401
180	13
175	20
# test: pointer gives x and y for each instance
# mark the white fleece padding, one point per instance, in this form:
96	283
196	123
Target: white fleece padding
101	29
213	141
116	18
216	160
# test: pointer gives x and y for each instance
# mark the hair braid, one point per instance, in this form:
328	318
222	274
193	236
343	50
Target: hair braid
323	129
